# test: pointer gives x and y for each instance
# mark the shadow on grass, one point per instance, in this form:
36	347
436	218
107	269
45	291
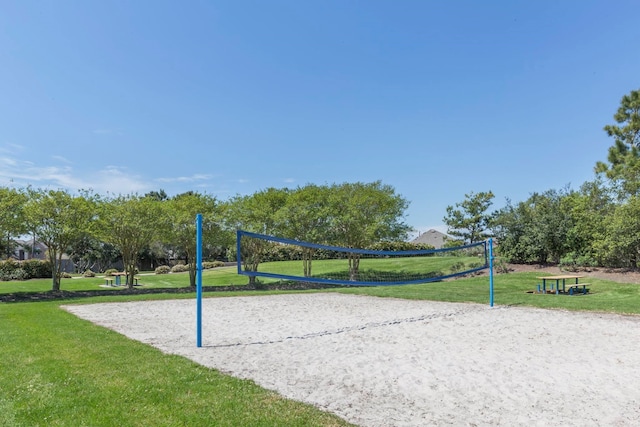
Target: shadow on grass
63	295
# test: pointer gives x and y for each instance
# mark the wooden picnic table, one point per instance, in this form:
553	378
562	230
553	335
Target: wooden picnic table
557	279
118	276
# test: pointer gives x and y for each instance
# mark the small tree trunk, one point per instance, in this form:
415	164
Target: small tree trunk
307	256
131	272
56	282
56	265
192	274
354	263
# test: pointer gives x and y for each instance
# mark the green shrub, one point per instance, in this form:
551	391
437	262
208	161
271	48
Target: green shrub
212	264
163	269
573	261
29	269
19	274
89	273
400	246
452	243
458	267
179	268
8	267
501	266
110	271
37	268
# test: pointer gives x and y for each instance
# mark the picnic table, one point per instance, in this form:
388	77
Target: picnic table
118	277
566	288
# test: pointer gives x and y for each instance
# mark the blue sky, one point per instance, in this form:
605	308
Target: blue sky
436	98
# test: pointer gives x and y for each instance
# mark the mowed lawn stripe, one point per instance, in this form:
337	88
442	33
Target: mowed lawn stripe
58	370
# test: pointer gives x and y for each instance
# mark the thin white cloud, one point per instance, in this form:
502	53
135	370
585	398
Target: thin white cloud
7	161
192	178
61	159
11	148
118	181
289	180
111	179
23	173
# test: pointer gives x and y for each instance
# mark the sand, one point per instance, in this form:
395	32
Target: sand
391	362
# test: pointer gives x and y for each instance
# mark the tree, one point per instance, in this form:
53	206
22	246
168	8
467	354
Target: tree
590	210
59	219
362	214
470	220
181	212
130	223
90	253
511	226
255	213
536	230
621	241
551	223
306	216
623	168
160	195
12	218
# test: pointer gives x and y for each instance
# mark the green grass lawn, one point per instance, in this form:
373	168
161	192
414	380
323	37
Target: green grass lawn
59	370
379	269
211	277
402	268
513	289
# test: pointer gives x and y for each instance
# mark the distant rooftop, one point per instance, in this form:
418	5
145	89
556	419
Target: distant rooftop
431	237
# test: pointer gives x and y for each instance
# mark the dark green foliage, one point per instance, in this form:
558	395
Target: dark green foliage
536	230
469	219
574	261
88	252
452	243
400	246
620	243
623	167
36	268
7	268
280	252
18	274
24	270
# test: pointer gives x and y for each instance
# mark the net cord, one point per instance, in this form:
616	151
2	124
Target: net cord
241	233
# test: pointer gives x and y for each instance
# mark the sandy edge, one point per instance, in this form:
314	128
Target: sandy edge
392	362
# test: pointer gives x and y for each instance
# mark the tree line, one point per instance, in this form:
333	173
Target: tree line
94	230
595	225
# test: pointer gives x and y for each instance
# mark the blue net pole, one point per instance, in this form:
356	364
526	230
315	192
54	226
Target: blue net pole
238	253
491	272
199	280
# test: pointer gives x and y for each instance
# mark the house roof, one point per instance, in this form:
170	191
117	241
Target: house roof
431	237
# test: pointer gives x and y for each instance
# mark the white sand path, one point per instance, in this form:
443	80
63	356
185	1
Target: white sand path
391	362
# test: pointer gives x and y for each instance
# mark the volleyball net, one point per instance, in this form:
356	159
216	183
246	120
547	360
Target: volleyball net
280	259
